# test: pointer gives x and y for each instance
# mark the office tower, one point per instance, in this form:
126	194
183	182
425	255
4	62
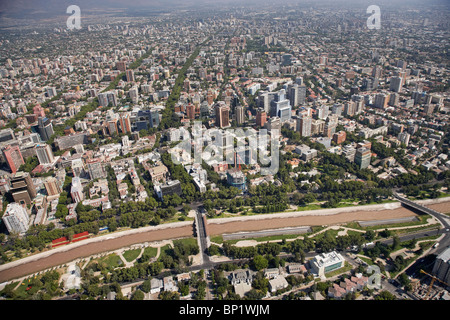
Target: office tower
287	59
44	154
222	115
145	119
284	111
45	128
293	95
261	118
16	218
240	115
441	267
13	158
190	111
381	101
237	179
396	84
281	107
362	157
130	75
51	92
76	190
52	186
125	122
22	188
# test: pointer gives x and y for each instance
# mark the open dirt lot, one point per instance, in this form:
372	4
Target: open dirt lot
258	223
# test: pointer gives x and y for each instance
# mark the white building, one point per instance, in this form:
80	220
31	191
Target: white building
326	262
277	283
16	218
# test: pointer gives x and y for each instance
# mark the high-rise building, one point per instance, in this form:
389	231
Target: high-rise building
362	157
404	137
317	126
22	188
381	101
441	267
339	137
293	95
240	115
134	94
222	115
107	98
112	126
76	190
125	123
44	154
428	109
237	179
16	218
396	84
261	118
45	128
304	126
130	75
394	99
145	120
13	157
190	111
121	66
52	186
369	84
350	108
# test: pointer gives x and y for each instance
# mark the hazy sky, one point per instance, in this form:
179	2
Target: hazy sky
25	8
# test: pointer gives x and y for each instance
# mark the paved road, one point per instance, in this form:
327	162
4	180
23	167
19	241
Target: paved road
442	218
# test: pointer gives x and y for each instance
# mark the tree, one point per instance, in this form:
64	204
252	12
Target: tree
259	262
138	295
385	295
146	286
